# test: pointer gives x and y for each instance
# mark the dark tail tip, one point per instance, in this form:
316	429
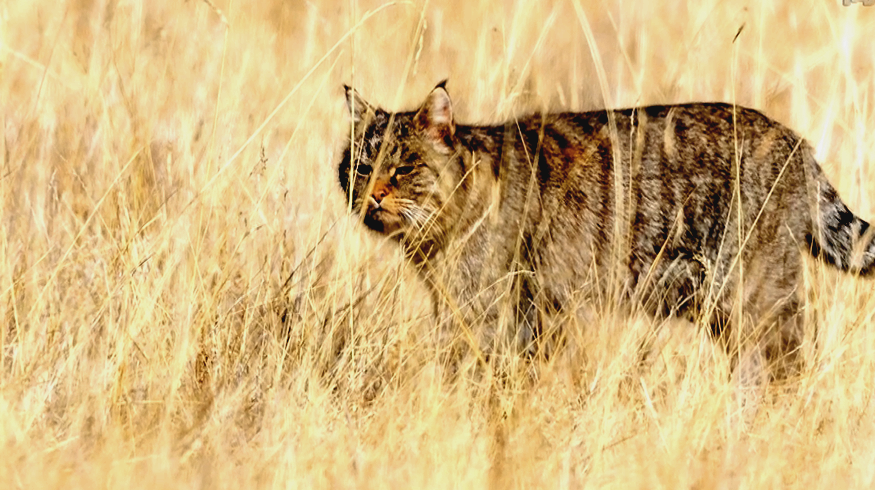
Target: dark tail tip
849	247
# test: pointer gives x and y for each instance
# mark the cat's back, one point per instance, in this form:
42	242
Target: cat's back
678	165
709	121
666	141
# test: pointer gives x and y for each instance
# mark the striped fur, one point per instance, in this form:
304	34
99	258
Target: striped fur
681	209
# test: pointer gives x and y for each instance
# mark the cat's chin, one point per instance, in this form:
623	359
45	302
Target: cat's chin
382	222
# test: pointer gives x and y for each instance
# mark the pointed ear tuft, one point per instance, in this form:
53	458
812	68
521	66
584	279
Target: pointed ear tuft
435	117
357	106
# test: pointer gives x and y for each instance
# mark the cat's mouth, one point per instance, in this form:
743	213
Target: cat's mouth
382	220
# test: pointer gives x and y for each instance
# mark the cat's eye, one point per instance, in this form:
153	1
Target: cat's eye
363	169
404	170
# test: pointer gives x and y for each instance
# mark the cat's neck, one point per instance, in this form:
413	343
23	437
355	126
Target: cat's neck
485	158
484	144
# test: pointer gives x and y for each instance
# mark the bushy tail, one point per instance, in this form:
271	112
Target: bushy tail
841	238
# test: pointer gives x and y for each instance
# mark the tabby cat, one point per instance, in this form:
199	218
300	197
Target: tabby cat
700	210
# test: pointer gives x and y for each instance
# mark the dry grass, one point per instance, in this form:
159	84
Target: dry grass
169	195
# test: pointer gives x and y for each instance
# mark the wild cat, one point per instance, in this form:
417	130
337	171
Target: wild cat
702	210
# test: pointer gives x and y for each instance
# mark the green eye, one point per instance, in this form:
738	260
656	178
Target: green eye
363	169
404	170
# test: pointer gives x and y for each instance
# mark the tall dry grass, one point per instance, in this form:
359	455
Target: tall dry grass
186	303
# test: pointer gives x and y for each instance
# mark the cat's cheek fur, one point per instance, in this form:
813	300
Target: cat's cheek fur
446	176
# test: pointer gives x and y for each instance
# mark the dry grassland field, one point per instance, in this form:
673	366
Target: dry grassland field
186	301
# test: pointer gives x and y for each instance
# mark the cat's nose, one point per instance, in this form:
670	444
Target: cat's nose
379	194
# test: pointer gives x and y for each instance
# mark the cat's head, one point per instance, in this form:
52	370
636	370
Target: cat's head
400	170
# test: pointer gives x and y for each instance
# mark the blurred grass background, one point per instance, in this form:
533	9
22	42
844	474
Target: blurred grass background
187	304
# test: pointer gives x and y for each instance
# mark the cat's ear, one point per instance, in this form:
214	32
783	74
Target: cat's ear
357	106
435	117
